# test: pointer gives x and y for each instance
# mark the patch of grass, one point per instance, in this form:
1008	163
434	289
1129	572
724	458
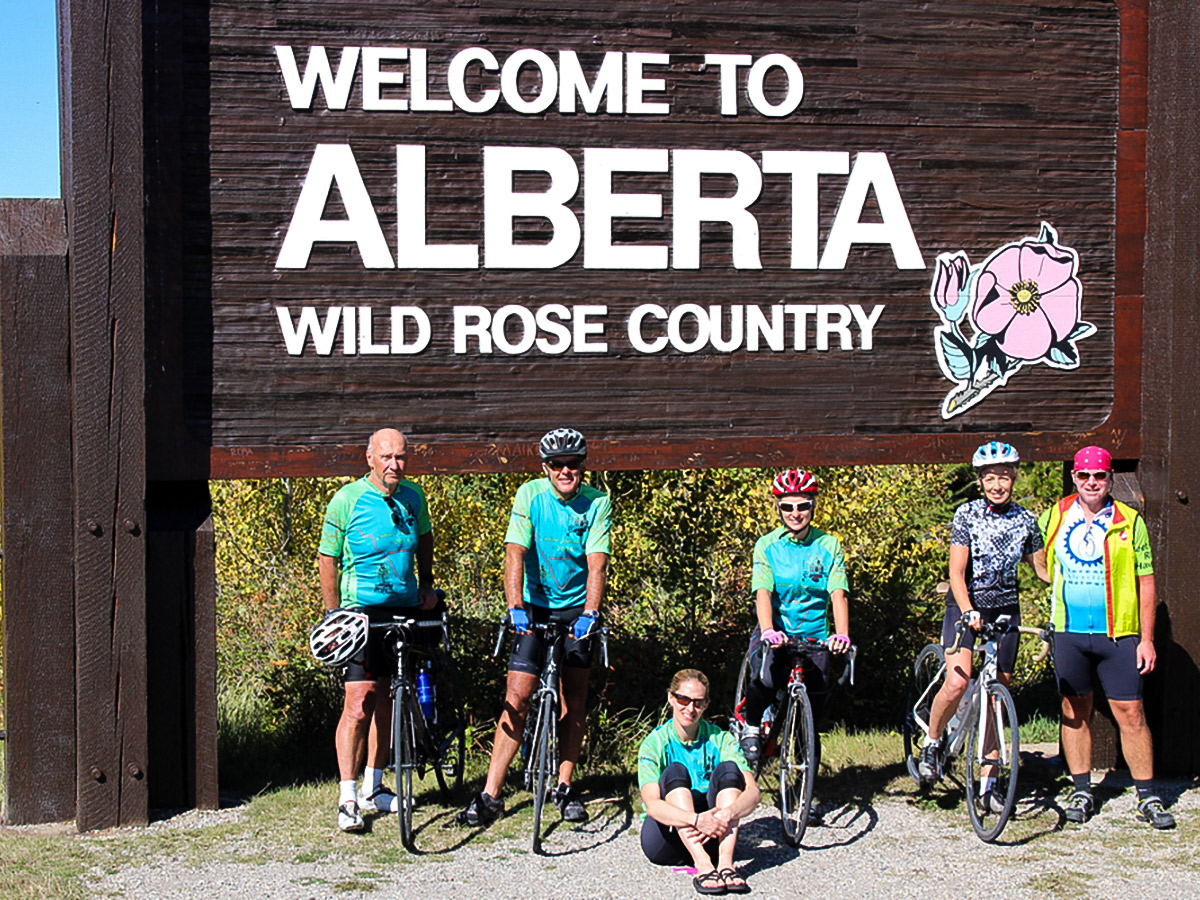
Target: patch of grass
1060	884
1039	729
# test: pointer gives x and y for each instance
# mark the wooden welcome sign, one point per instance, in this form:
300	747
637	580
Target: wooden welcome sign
699	232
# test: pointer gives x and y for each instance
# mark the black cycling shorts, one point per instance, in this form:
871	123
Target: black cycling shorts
661	843
1082	659
377	662
529	650
1006	649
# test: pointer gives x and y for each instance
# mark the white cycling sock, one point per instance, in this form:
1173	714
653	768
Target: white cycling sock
372	779
346	791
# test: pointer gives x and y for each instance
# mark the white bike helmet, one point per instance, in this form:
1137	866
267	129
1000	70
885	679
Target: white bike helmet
339	637
995	453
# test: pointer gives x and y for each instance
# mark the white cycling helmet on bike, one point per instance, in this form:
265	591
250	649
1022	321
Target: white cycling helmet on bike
995	453
339	637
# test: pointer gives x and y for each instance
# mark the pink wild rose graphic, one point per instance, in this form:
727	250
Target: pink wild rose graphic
1024	303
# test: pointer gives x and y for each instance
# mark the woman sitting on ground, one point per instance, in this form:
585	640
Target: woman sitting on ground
696	787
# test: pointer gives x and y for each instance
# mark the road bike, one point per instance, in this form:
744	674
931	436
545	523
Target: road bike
428	732
539	744
790	734
984	725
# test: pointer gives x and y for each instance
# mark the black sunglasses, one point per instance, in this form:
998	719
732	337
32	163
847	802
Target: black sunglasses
685	701
396	520
574	463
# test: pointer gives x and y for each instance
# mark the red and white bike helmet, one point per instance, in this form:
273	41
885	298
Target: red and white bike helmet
794	481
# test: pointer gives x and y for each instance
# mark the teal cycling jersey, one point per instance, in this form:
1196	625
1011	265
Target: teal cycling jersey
801	575
712	746
374	537
559	534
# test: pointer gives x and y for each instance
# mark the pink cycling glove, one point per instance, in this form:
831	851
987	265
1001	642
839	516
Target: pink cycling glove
773	637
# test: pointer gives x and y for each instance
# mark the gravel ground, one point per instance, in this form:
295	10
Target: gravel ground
888	846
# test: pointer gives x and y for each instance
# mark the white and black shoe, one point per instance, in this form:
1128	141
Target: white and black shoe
381	799
349	818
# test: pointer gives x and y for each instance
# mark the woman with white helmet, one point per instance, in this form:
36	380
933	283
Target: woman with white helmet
988	538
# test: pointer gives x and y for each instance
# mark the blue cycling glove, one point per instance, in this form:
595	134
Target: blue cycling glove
519	619
584	625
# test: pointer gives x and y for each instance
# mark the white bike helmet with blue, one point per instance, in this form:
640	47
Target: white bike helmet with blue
995	453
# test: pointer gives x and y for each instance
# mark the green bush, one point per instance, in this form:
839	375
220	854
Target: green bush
679	595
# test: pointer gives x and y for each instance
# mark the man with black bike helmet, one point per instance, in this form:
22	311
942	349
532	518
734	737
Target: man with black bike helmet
799	575
555	570
988	538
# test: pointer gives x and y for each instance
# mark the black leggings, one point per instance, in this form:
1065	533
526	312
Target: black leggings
661	843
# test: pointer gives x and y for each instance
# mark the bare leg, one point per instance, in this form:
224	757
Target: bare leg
958	676
574	688
1136	742
1077	733
728	843
379	738
510	730
693	841
353	728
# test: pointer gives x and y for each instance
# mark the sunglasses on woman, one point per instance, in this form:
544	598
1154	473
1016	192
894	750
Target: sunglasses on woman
685	701
801	506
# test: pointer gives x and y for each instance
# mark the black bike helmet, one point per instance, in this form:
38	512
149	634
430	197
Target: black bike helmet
562	442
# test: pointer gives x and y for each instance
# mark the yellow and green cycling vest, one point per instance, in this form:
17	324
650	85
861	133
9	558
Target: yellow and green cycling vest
1124	540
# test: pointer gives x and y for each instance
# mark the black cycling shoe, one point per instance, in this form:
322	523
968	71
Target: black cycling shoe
930	765
1151	810
482	810
1079	807
566	798
752	747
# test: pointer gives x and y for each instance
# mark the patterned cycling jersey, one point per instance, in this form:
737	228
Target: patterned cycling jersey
375	539
1083	579
712	746
559	535
997	542
801	575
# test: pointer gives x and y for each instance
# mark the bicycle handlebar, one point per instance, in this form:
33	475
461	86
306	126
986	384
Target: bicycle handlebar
1002	625
565	629
813	644
403	623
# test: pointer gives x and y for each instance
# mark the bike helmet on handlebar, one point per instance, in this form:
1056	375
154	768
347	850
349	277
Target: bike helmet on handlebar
339	637
995	453
794	481
562	442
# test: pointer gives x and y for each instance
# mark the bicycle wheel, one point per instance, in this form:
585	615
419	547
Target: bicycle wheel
996	755
542	761
735	724
797	768
403	747
928	675
450	736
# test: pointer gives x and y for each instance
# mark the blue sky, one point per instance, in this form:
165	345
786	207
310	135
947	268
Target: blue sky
28	99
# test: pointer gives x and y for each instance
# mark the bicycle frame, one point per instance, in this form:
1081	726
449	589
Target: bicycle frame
541	763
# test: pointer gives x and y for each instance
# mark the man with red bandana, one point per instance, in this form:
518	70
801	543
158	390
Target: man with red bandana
1098	559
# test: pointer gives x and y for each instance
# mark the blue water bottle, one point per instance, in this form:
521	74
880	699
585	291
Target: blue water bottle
425	695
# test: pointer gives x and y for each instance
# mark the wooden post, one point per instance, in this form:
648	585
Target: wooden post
39	608
1170	394
103	189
